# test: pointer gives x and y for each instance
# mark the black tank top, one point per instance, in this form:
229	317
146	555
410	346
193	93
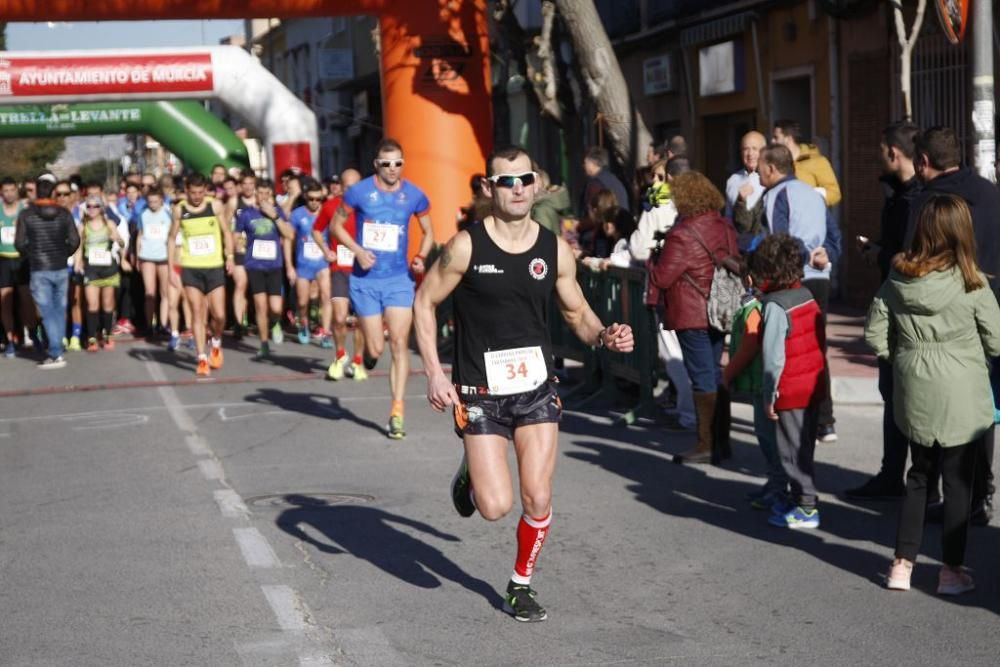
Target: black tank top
502	303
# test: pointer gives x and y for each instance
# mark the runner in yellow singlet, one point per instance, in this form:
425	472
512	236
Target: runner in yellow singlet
205	258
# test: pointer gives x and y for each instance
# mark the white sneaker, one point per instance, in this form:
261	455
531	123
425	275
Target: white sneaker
51	364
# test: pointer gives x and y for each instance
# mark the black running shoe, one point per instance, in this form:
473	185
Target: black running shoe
369	362
460	485
520	603
877	488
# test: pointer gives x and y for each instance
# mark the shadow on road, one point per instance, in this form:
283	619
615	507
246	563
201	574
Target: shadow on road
371	534
314	405
686	491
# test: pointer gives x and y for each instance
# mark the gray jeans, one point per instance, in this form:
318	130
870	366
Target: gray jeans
796	436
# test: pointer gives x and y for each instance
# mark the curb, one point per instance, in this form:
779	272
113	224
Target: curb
856	391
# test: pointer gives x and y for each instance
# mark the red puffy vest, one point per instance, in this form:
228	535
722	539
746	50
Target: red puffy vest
800	382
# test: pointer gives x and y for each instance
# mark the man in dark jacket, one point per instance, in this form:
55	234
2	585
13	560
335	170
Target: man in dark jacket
898	149
47	236
599	177
938	166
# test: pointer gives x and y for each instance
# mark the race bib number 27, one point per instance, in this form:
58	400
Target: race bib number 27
380	236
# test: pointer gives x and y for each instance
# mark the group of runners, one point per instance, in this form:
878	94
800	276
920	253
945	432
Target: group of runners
352	248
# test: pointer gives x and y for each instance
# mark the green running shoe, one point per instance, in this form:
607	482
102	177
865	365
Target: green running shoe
336	369
520	603
396	431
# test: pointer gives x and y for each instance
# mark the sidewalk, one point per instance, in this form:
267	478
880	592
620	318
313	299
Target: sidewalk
852	365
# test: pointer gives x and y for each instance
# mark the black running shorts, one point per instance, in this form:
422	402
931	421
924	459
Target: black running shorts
340	285
204	280
502	415
268	280
14	272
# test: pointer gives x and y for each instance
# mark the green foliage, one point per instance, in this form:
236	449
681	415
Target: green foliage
98	170
27	158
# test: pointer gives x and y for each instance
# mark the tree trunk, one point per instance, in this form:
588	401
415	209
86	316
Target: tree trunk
624	131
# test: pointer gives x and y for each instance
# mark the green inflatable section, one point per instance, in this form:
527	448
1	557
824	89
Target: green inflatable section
184	127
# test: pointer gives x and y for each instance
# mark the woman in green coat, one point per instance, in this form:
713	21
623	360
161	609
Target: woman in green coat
937	322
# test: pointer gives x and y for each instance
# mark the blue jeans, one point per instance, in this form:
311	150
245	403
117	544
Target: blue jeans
48	289
702	355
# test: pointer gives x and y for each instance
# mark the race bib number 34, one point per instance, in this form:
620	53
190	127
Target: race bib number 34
380	236
515	371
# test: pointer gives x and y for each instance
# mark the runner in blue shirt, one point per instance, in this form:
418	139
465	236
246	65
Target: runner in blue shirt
151	249
382	284
311	266
267	233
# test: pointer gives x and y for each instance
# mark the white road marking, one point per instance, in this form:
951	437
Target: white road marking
177	404
257	551
288	608
197	445
97	422
226	417
230	504
211	469
315	660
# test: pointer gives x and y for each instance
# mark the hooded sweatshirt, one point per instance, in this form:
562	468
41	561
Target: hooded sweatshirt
983	199
937	337
46	235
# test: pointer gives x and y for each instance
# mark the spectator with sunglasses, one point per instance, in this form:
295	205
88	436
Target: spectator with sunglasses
47	236
382	285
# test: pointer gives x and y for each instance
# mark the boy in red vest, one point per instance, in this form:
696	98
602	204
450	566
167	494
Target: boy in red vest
793	371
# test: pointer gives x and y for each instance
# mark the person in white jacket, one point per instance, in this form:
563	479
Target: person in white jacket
643	243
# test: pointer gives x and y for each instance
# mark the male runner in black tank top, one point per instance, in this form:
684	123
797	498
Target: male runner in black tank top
245	198
503	272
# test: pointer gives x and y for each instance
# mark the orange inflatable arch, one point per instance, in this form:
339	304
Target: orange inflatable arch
435	74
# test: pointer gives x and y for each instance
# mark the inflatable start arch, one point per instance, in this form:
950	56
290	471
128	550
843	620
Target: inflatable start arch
435	74
184	127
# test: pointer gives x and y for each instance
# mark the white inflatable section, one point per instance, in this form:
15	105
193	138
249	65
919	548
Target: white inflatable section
238	80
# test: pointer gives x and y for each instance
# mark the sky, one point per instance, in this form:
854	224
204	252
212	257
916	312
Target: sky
117	34
109	35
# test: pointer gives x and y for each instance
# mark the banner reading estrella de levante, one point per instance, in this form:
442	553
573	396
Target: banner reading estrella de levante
39	77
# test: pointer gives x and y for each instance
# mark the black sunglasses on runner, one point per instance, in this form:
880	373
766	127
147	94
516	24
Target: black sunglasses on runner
314	199
385	164
510	180
62	193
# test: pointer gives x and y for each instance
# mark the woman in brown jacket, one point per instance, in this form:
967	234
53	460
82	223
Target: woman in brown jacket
684	274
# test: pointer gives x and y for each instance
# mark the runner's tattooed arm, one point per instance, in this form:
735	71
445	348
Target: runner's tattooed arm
440	281
343	237
579	315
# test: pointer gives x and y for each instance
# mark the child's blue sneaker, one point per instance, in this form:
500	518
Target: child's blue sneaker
782	506
768	499
797	518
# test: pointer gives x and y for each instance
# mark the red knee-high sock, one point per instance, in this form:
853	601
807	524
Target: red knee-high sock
531	534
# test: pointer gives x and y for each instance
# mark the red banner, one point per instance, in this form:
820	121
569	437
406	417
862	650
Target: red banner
37	77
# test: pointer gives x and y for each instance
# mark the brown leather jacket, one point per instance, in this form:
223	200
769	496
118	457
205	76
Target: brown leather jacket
686	307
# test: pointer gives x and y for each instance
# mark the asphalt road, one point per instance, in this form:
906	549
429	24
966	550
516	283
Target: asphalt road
263	518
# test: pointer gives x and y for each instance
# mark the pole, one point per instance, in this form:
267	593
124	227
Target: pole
983	108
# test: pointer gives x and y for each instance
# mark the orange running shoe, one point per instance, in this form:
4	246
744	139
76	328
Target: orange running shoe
109	344
203	370
215	358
